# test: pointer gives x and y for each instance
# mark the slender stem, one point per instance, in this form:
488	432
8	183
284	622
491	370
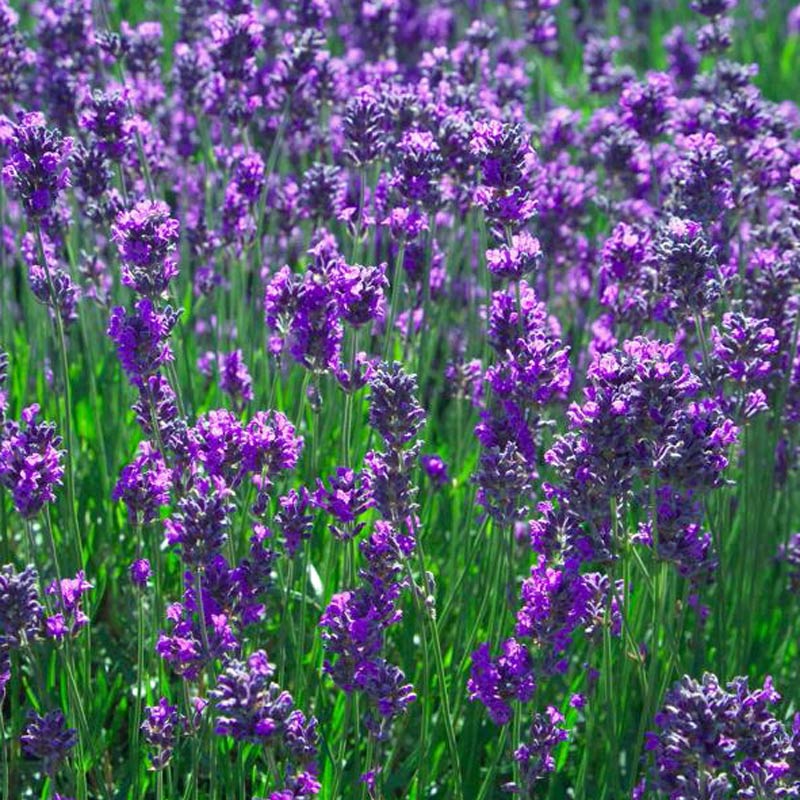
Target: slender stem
449	728
67	414
139	701
398	269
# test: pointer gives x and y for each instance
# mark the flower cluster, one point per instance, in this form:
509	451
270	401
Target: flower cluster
721	740
30	462
251	707
37	165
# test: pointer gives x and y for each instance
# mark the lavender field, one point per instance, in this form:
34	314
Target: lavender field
399	399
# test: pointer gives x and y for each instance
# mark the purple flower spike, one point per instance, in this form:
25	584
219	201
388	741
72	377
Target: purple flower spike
146	236
31	462
20	608
497	682
160	729
69	617
141	338
48	739
36	166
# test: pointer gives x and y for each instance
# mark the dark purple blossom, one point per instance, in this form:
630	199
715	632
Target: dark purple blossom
362	128
146	236
31	462
161	727
712	741
346	500
37	164
322	191
435	468
418	167
140	572
234	378
646	106
199	528
251	707
144	485
702	179
20	607
105	115
535	755
394	411
687	266
497	682
360	292
293	519
141	338
48	739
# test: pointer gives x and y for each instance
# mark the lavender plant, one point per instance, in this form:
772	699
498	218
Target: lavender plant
399	400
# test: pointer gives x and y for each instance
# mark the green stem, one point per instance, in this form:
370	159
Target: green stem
395	302
67	414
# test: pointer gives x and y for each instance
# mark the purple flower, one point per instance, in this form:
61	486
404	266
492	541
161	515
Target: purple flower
647	106
346	500
513	260
186	647
702	179
105	114
540	24
160	729
20	609
234	378
13	54
394	411
235	40
293	519
157	402
360	292
353	625
502	151
69	617
557	602
535	755
322	191
146	236
271	445
5	672
435	468
48	739
37	164
144	485
498	682
302	786
682	56
687	265
217	442
31	462
64	296
725	740
387	687
3	392
199	528
140	572
789	554
141	338
305	310
712	8
251	707
745	349
362	128
418	165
